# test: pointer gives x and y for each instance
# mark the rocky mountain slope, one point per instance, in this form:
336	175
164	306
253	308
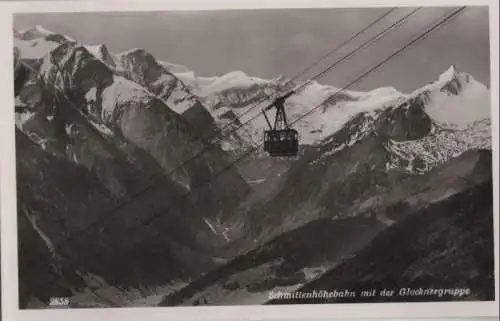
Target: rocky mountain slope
305	250
373	151
99	139
387	162
95	128
445	246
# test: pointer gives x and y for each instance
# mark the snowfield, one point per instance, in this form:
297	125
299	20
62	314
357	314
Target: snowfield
424	154
335	107
35	43
230	80
34	49
454	101
122	92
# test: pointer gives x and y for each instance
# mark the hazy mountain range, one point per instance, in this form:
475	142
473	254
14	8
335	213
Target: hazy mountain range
128	193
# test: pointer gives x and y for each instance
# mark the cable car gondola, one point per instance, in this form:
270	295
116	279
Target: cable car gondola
280	140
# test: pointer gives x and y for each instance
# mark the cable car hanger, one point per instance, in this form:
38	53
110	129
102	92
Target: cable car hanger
280	140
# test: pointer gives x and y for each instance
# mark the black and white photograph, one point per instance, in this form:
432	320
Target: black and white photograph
241	157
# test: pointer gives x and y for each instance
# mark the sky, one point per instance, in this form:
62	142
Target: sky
267	43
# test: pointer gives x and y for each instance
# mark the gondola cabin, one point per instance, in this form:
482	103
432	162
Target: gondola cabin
280	140
283	142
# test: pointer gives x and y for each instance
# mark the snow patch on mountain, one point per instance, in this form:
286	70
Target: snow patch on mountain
96	50
174	68
323	122
180	101
459	111
34	49
101	52
316	111
381	94
36	42
312	94
102	129
364	127
420	156
311	273
230	80
450	134
190	81
91	95
456	99
34	32
23	118
335	118
197	85
131	52
448	74
178	98
122	92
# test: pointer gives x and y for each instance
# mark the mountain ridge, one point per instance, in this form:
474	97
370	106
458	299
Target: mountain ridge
363	157
450	79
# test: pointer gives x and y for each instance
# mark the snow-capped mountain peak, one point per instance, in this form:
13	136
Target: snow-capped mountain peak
448	75
382	92
34	32
102	53
174	68
133	52
452	81
237	75
138	56
34	43
455	99
232	79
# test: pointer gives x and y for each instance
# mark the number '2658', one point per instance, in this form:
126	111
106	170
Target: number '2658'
59	301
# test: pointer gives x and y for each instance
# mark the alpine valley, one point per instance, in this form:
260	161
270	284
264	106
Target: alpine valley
138	184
